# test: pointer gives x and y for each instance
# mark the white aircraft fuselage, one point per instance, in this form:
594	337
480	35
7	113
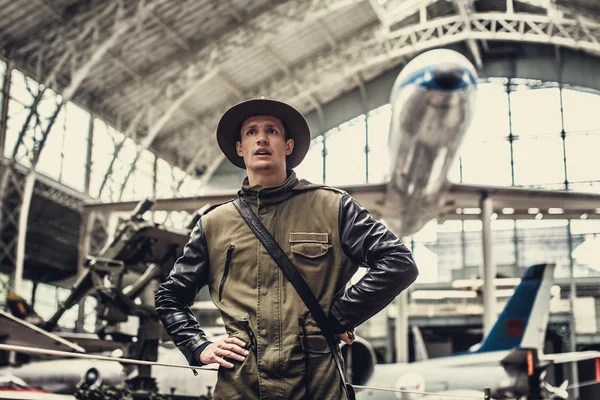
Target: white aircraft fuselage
432	106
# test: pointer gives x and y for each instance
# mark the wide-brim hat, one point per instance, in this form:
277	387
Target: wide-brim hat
230	125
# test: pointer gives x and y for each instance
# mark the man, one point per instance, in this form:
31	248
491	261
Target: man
275	349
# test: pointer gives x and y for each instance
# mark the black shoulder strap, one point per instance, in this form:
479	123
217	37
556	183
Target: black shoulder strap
293	275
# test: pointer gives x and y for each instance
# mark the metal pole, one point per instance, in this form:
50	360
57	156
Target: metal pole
324	152
402	327
4	111
367	150
463	245
572	299
22	235
364	103
3	128
85	234
12	356
516	244
489	267
34	287
511	137
88	157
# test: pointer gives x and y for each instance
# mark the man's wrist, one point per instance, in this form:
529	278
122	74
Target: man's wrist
195	361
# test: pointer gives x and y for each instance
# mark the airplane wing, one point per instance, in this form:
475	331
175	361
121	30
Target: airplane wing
189	204
16	332
90	342
463	202
368	195
460	201
561	358
19	395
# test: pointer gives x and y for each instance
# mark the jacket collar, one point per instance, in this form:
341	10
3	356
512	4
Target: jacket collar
258	196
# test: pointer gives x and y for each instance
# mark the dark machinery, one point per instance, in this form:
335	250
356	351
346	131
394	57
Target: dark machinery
146	251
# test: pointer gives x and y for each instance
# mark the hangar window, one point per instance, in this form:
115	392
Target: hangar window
583	164
378	125
345	157
535	111
581	111
539	161
140	183
311	167
490	117
65	157
486	162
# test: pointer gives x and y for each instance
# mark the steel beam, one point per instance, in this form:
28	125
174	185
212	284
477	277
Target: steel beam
489	267
180	41
88	157
401	332
283	66
465	9
572	304
4	113
211	169
83	249
129	132
156	126
193	203
22	232
395	11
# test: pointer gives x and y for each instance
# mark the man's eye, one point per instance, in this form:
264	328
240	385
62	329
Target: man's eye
272	130
250	132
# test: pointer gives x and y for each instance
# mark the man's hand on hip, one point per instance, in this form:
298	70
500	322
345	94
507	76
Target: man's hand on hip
217	352
347	337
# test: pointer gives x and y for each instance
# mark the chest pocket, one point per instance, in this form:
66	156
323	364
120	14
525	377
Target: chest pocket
309	244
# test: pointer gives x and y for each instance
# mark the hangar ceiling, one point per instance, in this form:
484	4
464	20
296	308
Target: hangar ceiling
163	71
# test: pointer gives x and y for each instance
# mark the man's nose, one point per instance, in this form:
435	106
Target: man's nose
262	138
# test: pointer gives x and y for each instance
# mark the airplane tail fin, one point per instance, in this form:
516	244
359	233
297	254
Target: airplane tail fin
524	319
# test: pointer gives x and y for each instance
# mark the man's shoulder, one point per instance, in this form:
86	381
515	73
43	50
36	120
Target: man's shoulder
320	189
216	208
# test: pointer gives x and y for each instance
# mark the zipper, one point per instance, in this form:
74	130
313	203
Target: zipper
226	271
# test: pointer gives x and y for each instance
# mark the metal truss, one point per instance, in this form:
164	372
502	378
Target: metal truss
53	191
75	46
465	10
203	66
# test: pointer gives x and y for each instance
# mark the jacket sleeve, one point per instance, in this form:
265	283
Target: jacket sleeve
392	268
176	294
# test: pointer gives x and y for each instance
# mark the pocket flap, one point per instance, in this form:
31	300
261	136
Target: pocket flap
316	343
309	237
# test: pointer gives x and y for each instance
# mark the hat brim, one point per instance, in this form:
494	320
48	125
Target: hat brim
230	125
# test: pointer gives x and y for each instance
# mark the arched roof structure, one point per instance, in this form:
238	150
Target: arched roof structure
163	71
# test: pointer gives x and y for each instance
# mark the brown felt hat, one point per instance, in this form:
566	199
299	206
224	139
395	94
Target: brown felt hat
230	125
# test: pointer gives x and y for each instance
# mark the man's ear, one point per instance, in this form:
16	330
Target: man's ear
238	148
289	147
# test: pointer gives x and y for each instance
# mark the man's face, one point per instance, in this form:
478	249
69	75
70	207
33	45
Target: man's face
263	145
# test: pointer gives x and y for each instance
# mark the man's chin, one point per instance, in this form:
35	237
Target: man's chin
262	165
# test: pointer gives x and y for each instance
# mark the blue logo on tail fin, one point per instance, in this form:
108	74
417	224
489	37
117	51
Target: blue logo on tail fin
510	326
